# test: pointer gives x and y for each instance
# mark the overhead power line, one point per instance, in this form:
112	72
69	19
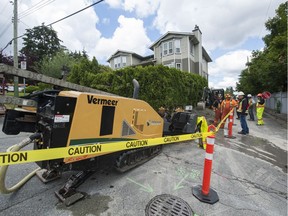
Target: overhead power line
76	12
35	8
10	42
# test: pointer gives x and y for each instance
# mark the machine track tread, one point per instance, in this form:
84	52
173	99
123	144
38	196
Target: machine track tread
132	158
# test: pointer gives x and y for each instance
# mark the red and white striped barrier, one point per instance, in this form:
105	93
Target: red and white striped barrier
230	125
204	193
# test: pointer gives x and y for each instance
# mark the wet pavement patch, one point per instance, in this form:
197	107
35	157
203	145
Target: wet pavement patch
166	204
92	205
258	148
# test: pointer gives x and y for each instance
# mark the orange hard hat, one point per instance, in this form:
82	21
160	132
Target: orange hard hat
259	95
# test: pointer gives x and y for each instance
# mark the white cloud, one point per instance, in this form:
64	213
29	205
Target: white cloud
78	32
142	8
224	24
225	70
114	3
130	35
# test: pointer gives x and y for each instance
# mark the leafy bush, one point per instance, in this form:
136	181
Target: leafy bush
30	89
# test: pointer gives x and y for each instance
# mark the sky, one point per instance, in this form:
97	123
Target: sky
231	29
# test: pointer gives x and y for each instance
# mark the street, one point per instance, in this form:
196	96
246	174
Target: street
249	174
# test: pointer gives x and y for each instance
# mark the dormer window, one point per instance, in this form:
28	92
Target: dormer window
169	47
120	62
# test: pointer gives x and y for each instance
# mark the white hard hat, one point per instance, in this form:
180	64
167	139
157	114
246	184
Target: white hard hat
249	95
241	93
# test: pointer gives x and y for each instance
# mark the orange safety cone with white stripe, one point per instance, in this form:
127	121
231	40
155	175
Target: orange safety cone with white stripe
230	126
204	193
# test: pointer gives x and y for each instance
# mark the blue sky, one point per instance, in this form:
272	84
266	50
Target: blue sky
230	29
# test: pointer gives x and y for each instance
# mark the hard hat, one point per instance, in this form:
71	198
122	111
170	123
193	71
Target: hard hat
179	109
161	108
241	93
249	95
259	95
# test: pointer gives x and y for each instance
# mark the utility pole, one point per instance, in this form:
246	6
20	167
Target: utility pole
15	22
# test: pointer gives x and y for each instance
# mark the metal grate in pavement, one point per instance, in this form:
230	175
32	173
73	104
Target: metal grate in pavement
168	205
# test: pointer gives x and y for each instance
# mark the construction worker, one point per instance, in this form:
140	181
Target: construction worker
226	106
243	111
164	114
217	109
237	106
251	103
260	109
161	111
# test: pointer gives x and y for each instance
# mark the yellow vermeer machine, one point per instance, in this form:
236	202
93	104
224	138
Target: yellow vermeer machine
69	118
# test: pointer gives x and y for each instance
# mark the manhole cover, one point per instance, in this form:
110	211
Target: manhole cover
168	205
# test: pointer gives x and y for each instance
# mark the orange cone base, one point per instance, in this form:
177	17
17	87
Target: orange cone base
230	137
211	198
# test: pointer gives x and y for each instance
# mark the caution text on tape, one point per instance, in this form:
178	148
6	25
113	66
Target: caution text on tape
10	158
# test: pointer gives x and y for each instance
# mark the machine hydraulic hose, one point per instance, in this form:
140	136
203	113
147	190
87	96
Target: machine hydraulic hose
3	169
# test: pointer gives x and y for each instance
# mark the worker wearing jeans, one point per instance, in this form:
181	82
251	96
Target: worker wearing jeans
243	110
251	103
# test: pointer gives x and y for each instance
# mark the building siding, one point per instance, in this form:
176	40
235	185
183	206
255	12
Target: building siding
190	62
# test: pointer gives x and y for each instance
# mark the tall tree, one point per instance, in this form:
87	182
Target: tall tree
56	66
39	42
268	68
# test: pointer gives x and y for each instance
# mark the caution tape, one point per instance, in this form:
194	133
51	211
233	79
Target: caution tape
223	120
10	158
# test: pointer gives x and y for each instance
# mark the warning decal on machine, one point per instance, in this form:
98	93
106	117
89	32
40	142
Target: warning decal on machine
61	118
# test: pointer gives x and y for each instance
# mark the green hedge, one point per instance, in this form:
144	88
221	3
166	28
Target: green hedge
159	85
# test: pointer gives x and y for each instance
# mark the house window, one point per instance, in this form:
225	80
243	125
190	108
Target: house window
170	65
120	62
204	65
116	62
178	66
177	46
123	61
165	49
170	47
191	48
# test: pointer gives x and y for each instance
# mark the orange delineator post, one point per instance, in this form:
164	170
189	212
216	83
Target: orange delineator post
230	125
204	193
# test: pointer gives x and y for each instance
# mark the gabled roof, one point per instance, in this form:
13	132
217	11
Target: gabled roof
206	55
189	34
125	52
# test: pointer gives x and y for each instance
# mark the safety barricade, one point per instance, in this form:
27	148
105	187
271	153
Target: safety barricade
230	126
204	193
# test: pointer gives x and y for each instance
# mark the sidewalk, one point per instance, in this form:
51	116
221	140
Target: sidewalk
281	118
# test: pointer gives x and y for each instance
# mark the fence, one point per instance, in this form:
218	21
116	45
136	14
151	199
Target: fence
277	102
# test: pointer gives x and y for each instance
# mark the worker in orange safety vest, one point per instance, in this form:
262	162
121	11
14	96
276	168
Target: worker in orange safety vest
260	109
226	106
217	109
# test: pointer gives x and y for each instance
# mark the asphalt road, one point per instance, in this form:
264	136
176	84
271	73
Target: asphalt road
249	176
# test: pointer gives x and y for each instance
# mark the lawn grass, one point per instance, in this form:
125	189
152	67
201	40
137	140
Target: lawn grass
12	94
